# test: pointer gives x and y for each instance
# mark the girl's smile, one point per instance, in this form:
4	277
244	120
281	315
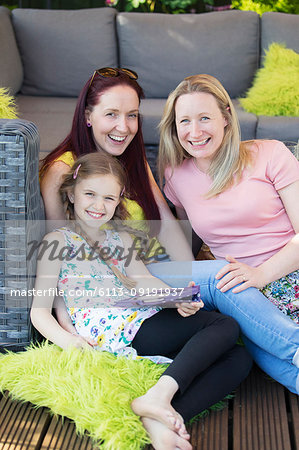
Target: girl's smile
95	215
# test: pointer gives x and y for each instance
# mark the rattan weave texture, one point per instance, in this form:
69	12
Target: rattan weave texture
21	212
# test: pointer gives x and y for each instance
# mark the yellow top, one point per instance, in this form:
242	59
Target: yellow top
67	158
136	213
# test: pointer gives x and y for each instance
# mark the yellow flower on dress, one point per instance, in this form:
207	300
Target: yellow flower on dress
76	237
119	329
132	316
101	340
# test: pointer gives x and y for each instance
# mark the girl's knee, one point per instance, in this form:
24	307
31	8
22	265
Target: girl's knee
231	327
243	360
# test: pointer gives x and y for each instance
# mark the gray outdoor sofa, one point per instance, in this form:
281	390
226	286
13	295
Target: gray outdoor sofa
45	58
47	55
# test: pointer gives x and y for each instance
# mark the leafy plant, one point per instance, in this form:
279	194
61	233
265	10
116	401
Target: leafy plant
261	6
163	6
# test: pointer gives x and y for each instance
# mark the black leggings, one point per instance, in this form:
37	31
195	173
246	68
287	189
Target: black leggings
207	365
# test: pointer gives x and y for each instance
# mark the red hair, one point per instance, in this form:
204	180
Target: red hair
80	141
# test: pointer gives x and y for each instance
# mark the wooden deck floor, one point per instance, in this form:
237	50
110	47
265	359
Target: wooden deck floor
261	416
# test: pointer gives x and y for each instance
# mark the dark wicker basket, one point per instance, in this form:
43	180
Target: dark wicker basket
21	220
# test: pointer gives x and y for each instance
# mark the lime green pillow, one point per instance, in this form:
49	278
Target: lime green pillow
275	89
7	105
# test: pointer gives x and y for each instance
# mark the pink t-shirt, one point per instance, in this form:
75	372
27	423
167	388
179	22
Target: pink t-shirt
248	220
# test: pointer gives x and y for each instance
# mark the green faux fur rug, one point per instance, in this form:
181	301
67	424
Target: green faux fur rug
7	105
92	388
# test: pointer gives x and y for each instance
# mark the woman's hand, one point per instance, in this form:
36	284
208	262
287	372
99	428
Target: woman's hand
237	273
188	309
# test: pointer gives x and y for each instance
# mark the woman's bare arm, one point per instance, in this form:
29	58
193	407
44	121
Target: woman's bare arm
171	235
50	184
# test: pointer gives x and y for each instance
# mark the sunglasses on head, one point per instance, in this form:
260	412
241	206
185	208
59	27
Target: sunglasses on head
108	72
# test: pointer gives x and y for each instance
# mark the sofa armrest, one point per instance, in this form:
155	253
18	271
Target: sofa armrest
21	214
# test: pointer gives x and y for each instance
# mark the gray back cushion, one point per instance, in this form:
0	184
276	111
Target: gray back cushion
11	70
60	49
165	48
282	28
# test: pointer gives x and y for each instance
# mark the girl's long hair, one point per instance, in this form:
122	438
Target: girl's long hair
232	155
80	141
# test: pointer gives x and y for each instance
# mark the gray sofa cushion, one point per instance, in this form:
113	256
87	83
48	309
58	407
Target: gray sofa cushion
281	128
248	122
165	48
11	73
52	116
61	49
151	111
280	27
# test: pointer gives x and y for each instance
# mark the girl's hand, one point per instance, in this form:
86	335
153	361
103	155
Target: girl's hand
188	309
75	340
239	273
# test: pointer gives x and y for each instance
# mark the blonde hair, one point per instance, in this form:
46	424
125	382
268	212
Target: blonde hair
86	166
232	155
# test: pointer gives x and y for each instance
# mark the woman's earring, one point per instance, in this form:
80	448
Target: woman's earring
88	124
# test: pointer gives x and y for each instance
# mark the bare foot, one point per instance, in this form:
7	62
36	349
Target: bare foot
162	437
161	410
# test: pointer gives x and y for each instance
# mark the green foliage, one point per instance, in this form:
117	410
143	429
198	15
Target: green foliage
261	6
11	7
165	6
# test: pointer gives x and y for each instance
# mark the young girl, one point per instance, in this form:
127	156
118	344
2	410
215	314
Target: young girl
206	362
241	199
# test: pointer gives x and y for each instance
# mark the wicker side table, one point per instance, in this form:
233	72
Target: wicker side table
21	221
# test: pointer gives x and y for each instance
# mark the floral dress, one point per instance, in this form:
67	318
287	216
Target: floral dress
90	290
284	293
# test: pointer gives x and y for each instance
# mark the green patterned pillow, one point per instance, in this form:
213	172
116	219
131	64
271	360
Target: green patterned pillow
275	89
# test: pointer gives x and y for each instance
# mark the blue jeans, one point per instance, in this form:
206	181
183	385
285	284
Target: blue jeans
270	336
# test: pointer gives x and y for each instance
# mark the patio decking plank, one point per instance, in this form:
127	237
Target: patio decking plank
294	405
260	419
211	432
21	426
62	435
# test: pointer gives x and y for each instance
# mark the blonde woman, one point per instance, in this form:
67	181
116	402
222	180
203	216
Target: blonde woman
241	199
